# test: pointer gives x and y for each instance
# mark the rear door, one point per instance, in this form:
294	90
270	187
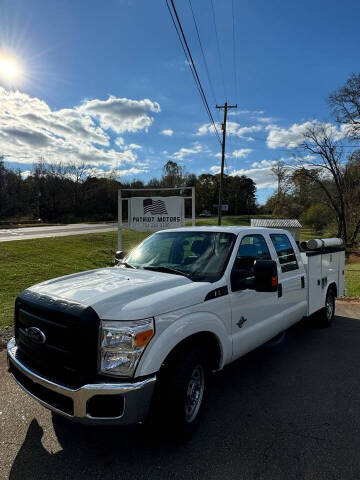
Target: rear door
292	277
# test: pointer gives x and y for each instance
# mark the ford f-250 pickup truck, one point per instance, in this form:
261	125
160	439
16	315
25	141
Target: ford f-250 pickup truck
117	345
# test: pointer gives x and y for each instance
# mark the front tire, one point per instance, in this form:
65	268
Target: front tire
180	394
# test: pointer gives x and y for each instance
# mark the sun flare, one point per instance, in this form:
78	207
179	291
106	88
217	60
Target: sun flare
9	69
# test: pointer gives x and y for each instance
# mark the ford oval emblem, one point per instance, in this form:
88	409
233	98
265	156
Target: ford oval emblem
35	334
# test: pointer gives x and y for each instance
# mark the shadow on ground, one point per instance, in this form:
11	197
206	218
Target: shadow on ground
290	411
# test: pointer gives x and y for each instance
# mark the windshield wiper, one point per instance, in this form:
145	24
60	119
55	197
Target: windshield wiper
161	268
127	265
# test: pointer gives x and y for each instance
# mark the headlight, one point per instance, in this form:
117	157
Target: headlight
122	344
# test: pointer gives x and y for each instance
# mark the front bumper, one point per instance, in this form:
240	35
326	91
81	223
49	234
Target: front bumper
78	404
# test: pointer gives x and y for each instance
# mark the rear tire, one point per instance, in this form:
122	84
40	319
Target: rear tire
180	393
326	314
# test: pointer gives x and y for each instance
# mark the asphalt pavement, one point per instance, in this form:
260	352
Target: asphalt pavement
10	234
290	411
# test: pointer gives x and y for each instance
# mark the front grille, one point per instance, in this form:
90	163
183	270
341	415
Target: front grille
69	354
54	399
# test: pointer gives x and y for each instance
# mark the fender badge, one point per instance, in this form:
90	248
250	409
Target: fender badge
241	322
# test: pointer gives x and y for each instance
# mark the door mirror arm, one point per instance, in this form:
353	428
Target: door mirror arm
238	282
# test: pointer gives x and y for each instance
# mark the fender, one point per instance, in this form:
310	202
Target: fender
172	328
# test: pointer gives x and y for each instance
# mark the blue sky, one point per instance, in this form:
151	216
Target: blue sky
106	83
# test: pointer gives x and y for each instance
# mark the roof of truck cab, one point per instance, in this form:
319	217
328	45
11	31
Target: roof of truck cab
228	229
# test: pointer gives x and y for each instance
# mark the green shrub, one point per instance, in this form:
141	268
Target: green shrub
318	216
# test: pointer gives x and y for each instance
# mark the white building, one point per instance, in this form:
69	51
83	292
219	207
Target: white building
290	224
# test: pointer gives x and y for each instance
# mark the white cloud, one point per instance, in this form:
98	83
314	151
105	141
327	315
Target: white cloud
120	142
261	173
241	153
117	172
215	169
263	177
186	152
121	114
26	174
30	130
233	128
293	136
265	119
168	132
235	113
264	163
131	171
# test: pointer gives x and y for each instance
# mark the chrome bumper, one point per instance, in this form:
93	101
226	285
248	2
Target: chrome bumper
136	396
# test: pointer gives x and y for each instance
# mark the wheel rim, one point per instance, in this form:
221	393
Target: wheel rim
194	393
329	307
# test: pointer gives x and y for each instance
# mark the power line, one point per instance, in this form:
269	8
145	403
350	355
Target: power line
191	63
234	49
218	46
203	54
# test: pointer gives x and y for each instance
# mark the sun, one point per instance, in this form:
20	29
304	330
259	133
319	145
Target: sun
9	69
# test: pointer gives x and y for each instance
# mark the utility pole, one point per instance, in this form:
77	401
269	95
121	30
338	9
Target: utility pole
225	107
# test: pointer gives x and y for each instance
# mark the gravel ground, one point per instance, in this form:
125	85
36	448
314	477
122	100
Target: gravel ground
5	336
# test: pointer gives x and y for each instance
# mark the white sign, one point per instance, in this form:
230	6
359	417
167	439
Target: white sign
150	214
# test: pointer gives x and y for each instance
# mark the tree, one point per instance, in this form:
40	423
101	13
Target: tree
317	216
72	191
329	170
352	182
173	175
78	172
281	171
345	104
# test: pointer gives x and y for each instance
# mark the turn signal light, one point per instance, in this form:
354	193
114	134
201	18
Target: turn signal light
143	338
274	281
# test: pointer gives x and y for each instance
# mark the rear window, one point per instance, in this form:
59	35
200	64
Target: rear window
285	252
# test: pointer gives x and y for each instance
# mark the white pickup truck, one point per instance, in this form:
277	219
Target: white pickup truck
119	345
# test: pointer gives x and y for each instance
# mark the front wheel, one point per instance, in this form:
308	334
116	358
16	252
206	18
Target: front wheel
181	393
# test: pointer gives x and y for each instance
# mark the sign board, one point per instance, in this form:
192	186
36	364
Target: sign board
150	214
224	207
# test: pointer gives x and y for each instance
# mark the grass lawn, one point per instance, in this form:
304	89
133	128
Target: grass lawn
352	276
26	262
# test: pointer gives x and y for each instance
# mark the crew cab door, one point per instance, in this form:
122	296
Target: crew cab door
256	316
292	277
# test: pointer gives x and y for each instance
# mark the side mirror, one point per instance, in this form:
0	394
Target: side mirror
119	255
238	282
266	276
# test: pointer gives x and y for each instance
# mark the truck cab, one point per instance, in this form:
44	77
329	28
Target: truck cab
139	340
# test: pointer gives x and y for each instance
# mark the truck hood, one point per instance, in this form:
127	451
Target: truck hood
125	294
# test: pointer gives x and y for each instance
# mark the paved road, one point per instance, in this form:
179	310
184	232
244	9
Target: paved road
8	235
286	412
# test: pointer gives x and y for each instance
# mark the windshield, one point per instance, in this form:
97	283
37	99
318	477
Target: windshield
201	256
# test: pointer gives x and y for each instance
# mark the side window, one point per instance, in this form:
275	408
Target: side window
252	247
285	252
